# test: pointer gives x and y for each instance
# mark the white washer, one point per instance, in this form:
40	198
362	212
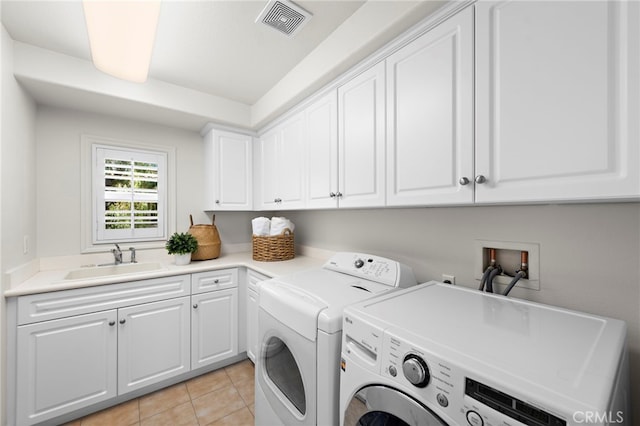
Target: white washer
300	333
438	354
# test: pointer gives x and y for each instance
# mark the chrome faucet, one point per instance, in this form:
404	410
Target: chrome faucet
133	254
117	254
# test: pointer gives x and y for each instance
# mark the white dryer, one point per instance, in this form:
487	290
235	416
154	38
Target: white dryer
438	354
300	334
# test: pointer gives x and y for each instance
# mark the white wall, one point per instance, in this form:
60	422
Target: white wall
17	182
589	254
58	133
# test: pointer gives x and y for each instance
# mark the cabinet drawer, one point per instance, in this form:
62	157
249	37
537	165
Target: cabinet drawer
253	278
214	280
60	304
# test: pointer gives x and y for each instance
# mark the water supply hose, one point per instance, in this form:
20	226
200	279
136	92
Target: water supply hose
497	271
518	276
491	267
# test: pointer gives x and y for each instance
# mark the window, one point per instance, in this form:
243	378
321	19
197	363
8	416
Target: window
129	194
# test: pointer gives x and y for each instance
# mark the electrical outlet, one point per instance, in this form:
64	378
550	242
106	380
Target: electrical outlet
449	279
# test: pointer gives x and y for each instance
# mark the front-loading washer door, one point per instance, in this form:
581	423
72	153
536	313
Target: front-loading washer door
286	372
378	405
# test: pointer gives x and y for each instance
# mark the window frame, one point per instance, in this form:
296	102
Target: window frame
92	182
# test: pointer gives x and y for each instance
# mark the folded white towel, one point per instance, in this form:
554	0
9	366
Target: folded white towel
261	226
279	224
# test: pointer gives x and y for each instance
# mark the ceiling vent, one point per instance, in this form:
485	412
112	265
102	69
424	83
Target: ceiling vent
284	16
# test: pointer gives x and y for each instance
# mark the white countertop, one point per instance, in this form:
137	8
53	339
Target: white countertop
53	280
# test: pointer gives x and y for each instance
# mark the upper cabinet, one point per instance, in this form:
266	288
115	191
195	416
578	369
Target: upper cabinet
279	177
321	143
430	117
344	144
361	140
557	92
502	102
228	171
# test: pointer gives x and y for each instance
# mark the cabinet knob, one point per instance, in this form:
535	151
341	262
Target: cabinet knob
217	201
332	194
481	179
216	281
464	181
122	321
277	200
112	323
338	194
195	306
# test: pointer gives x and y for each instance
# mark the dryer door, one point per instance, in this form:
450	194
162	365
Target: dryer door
285	374
378	405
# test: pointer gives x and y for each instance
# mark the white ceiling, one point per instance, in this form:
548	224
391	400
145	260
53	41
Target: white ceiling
210	46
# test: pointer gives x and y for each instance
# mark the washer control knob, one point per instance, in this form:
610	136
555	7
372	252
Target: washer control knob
416	371
359	263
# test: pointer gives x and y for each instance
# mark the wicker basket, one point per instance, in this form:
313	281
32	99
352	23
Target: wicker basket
273	248
208	240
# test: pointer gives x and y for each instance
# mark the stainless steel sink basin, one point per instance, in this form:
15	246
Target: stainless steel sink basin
110	270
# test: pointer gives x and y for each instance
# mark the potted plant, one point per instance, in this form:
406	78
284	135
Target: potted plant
182	245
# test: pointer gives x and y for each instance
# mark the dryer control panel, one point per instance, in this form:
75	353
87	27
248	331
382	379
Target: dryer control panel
372	268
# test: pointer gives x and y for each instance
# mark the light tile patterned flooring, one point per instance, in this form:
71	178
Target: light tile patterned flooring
222	397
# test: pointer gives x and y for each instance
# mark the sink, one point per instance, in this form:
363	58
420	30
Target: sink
111	270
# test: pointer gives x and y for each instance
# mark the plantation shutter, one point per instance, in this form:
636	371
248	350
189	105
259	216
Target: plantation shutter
130	194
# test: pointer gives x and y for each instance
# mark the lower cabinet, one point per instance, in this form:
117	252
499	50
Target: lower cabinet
214	316
214	327
71	363
153	343
65	364
253	278
75	348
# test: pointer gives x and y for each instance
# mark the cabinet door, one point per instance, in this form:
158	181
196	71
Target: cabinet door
280	152
253	278
228	171
214	327
430	117
321	139
290	163
252	325
65	364
267	183
557	100
153	343
361	140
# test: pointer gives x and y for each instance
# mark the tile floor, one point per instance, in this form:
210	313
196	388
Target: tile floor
222	397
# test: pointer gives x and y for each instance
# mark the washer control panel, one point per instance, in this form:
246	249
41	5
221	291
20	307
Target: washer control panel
435	382
440	385
366	266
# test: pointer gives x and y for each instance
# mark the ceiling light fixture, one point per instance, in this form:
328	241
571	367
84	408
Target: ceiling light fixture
121	35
